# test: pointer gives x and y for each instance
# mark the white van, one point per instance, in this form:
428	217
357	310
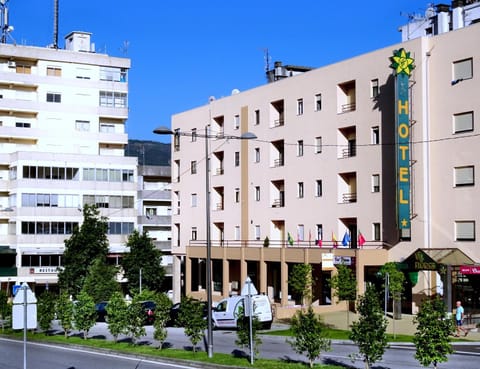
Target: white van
225	313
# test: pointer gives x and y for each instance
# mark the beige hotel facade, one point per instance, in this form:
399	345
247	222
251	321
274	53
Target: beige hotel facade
324	166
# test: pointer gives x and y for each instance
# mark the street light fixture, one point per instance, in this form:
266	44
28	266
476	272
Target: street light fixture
244	136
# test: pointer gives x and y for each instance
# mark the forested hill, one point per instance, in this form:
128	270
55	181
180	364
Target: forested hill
149	152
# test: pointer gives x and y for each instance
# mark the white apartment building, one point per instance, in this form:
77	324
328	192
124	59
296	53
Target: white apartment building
323	179
155	207
62	138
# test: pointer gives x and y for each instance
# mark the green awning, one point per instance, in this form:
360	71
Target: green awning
7	250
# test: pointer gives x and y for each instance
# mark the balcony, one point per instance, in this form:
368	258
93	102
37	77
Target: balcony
278	203
154	219
349	107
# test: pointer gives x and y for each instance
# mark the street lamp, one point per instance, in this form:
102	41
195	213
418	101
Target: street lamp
207	136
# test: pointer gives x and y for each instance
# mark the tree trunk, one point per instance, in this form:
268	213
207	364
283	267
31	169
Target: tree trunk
367	364
311	363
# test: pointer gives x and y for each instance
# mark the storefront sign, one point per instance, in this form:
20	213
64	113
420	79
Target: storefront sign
327	261
470	269
345	260
43	270
403	65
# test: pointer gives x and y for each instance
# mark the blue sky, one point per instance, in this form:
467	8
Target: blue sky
184	51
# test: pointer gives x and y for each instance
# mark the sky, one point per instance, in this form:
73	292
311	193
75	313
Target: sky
184	51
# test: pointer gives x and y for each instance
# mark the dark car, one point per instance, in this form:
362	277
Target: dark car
101	310
148	309
175	313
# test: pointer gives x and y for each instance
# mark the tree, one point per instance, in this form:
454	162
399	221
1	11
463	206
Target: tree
243	330
135	319
117	315
86	244
162	314
143	255
301	282
309	335
369	332
191	317
344	285
100	281
84	314
5	308
64	309
432	336
46	310
395	285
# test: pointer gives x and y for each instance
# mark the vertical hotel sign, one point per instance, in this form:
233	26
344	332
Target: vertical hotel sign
402	64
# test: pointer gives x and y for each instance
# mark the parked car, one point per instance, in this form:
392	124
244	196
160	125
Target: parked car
101	309
225	314
148	308
175	313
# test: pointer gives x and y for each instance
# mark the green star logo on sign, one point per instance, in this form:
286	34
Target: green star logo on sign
402	62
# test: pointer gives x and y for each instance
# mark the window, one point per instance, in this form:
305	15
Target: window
300	232
465	230
54	71
237	195
82	125
194	233
257	232
237	233
113	99
299	106
176	140
300	148
374	90
257	193
23	69
107	128
319	232
112	74
237	158
376	231
463	122
318	145
257	117
318	102
236	122
193	200
376	183
462	69
193	167
318	188
54	97
194	134
464	176
22	125
257	155
375	135
300	190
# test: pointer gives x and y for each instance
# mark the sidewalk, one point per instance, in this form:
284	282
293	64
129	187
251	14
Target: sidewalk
402	326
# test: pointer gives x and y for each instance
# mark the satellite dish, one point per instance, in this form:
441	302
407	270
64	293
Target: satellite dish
235	91
430	12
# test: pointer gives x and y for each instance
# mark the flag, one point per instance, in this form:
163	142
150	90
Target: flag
346	239
309	236
290	239
319	242
361	239
334	240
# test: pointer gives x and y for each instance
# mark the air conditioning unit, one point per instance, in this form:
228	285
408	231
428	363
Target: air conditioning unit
11	64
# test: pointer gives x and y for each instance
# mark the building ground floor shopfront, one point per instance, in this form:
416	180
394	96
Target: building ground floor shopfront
269	268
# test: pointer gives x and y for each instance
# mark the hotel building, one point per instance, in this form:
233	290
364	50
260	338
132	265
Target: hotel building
361	162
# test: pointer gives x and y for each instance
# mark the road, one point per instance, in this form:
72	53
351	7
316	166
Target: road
273	347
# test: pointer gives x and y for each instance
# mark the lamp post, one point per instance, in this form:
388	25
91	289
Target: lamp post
207	136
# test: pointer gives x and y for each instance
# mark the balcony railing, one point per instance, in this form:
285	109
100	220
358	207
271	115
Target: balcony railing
279	122
219	171
220	206
278	162
278	203
348	107
350	152
349	197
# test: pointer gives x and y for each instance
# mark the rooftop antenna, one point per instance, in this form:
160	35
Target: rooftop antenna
267	58
124	47
5	27
55	24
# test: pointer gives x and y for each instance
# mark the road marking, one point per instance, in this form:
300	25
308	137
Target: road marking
122	356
